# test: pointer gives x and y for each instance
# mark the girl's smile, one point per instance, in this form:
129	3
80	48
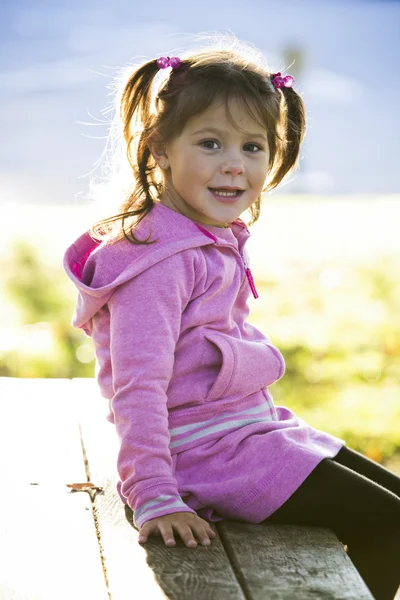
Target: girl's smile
226	196
213	171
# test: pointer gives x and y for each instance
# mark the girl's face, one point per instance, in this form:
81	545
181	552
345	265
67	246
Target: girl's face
220	156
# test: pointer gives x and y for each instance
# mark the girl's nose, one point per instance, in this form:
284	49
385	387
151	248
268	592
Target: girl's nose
234	167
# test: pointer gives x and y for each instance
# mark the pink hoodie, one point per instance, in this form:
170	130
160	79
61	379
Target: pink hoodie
184	372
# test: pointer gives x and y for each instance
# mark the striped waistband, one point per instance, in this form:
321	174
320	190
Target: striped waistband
192	434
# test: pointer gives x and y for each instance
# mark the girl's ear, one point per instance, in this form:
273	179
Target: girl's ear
159	153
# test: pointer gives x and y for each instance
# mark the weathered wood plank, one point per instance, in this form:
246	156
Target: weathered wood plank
282	562
157	571
49	548
48	542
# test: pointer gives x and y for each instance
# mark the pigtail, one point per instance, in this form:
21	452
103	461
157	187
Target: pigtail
296	124
136	120
135	101
135	109
293	129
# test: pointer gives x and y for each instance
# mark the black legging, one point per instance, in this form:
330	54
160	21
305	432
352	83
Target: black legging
360	501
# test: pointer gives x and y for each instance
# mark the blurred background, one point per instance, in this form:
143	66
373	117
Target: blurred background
325	251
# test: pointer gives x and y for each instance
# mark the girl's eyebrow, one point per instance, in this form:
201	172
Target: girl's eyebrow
219	131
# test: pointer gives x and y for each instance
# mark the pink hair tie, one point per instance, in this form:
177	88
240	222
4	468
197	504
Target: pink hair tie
280	82
164	62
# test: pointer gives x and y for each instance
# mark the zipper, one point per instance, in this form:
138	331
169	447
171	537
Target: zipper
246	267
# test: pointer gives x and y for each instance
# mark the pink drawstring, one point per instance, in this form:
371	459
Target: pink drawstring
251	282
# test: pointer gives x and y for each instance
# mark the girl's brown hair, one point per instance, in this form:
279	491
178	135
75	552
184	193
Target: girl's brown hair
149	111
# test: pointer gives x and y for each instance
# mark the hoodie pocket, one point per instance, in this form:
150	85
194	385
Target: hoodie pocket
245	366
218	350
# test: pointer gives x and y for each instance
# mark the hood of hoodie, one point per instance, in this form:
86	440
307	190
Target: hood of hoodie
97	268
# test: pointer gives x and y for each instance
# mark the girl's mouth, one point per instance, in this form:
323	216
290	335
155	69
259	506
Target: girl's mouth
225	196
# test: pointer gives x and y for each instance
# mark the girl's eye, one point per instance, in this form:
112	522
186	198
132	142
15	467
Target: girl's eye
214	142
255	146
208	142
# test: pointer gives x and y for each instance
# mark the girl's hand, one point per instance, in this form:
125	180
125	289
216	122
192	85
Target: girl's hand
184	523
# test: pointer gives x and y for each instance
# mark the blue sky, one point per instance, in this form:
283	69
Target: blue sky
56	60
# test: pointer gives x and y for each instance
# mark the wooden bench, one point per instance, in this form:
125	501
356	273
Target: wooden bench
56	543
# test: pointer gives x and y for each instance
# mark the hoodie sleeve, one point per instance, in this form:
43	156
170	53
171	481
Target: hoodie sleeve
145	322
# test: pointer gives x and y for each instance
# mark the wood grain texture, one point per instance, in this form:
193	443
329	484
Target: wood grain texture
286	562
48	543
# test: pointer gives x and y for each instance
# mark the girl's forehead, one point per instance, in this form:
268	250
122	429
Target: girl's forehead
219	116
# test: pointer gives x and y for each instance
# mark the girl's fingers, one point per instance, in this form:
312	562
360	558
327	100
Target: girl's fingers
144	533
142	537
208	528
186	532
187	535
170	541
204	534
167	534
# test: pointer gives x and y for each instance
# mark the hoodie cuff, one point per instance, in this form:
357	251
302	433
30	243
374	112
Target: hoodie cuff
157	506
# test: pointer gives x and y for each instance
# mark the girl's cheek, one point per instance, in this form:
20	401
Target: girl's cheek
200	166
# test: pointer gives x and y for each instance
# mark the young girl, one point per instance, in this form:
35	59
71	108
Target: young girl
165	302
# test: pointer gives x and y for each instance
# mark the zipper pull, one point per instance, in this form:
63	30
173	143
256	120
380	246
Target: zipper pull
249	277
251	282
